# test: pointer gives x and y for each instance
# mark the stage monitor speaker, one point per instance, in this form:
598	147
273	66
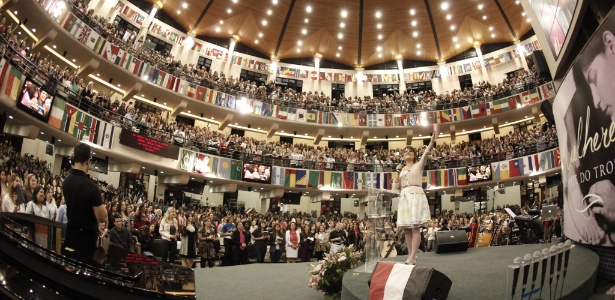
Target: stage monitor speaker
423	283
451	241
542	69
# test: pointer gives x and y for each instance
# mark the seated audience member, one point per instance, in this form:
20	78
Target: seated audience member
120	235
145	239
38	206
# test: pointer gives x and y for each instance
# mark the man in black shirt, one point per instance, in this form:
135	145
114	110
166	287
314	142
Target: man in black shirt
84	208
120	235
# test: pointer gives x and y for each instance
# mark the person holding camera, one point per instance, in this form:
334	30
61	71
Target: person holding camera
337	238
276	240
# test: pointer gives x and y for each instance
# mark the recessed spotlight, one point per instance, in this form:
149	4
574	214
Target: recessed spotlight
299	43
217	29
337	55
517	2
33	30
304	31
162	172
234	1
221	22
457	46
413	23
454	39
493	35
448	17
380	36
275	2
490	28
179	12
339	48
453	27
412	12
528	20
142	95
189	112
340	35
269	12
418	45
42	133
480	6
415	34
54	46
228	11
74	60
264	22
59	140
255	41
260	34
308	8
378	14
306	20
485	17
119	85
379	48
344	13
298	50
342	24
378	25
523	14
444	5
11	117
98	74
418	52
379	54
165	103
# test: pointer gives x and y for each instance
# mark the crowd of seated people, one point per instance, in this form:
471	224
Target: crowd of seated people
101	105
219	234
394	103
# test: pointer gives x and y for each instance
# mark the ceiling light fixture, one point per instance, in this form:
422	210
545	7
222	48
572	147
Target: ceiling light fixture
493	35
379	48
264	22
480	6
412	12
269	12
260	34
454	39
444	5
275	2
221	21
308	9
378	14
448	17
344	13
234	1
457	46
299	43
485	17
380	36
490	28
185	5
255	41
218	29
342	24
337	55
418	45
418	52
298	50
413	23
453	27
306	20
528	20
340	35
228	11
415	34
379	54
339	48
179	12
304	31
378	25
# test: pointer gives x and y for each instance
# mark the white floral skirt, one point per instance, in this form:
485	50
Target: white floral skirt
413	210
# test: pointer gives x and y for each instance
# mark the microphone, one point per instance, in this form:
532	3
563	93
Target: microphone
545	255
527	259
560	255
535	261
517	263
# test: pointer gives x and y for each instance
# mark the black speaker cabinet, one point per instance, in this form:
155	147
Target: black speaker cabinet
423	283
451	241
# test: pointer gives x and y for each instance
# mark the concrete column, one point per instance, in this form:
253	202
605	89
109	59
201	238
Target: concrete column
521	51
317	69
402	82
360	83
479	53
148	20
226	66
273	69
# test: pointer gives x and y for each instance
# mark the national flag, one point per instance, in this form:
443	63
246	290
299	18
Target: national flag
13	83
475	111
153	75
224	168
311	116
525	98
533	162
442	177
290	177
462	176
200	93
278	176
134	66
170	82
282	112
546	161
515	167
466	113
495	171
302	178
360	181
211	96
488	107
504	170
525	165
547	90
424	179
214	165
4	69
452	177
534	96
301	115
455	114
380	120
191	91
499	106
126	61
325	179
76	27
186	160
176	84
445	116
236	169
387	179
95	41
57	113
337	118
111	51
336	180
348	182
314	179
105	136
513	102
119	57
373	180
372	120
557	159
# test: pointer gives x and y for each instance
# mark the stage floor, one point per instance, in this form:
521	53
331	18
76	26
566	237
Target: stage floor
481	273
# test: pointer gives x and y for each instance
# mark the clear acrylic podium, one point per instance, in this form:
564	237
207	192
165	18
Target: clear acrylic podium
378	218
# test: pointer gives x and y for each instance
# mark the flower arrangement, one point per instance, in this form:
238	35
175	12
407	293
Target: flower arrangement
327	275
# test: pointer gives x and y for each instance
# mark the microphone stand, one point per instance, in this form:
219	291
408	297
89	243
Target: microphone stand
552	252
527	259
560	254
516	267
567	246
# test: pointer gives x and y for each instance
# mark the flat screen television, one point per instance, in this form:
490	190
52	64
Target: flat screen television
35	100
479	173
257	173
100	165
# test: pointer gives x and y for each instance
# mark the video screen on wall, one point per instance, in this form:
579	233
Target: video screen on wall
257	173
479	173
35	100
555	19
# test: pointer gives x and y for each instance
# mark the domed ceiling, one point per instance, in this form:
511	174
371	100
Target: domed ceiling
357	33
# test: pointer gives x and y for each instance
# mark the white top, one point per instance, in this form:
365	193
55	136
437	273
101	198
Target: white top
33	209
9	206
53	210
412	177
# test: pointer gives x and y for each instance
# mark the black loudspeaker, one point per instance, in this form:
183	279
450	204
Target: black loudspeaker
547	110
423	283
451	241
542	69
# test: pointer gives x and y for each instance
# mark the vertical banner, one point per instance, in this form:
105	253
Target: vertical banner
584	112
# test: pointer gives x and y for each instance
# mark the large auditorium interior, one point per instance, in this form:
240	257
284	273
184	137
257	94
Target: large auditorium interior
307	149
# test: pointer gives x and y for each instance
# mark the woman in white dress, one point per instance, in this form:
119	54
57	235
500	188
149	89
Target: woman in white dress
38	206
292	243
11	198
413	208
